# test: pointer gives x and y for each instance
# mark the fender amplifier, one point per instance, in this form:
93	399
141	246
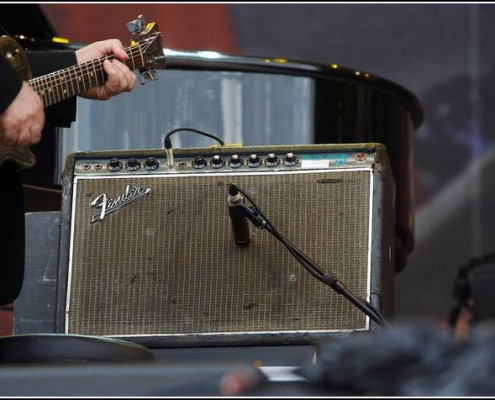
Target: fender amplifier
147	250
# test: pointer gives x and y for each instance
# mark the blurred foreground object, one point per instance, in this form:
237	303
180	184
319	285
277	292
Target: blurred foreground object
397	361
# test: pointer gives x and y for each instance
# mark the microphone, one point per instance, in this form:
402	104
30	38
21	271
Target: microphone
239	222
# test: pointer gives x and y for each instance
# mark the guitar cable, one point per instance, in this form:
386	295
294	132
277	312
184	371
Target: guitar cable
167	142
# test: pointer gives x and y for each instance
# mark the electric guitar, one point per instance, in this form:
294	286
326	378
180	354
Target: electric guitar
145	53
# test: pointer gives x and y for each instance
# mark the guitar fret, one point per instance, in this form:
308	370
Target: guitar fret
80	77
131	59
51	89
94	74
141	54
74	78
71	75
101	77
45	90
55	88
61	85
67	91
101	70
58	92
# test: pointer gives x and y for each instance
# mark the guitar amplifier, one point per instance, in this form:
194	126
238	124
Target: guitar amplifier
147	251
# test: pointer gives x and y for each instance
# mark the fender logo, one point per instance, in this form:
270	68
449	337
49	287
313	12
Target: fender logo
108	206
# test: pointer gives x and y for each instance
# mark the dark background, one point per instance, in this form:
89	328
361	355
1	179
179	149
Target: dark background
443	53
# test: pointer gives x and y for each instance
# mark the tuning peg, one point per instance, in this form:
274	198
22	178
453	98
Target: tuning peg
147	76
137	25
131	26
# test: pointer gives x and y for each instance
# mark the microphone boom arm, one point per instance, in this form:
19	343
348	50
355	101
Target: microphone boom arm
259	220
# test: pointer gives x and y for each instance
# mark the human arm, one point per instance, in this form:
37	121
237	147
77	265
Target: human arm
22	119
21	110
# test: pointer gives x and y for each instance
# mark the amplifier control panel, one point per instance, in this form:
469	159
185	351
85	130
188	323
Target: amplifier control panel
141	163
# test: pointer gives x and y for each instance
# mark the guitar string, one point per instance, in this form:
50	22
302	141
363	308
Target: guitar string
134	49
47	85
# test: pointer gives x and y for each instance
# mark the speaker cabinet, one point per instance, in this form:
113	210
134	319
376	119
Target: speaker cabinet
147	250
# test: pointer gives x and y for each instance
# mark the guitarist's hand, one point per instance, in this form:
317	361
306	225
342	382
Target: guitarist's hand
119	77
23	121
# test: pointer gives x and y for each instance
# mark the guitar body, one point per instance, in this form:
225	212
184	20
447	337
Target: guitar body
145	53
15	55
13	52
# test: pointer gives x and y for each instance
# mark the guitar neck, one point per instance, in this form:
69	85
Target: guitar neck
68	82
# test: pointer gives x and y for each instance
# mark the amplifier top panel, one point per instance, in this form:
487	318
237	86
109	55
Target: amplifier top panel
223	159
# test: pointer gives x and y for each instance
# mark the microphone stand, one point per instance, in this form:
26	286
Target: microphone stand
255	215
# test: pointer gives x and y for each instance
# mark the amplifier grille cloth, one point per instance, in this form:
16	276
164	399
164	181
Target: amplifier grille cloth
167	263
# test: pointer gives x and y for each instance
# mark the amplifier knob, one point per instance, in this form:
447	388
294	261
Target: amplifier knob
199	162
114	165
272	160
235	161
290	160
254	161
217	161
132	164
151	164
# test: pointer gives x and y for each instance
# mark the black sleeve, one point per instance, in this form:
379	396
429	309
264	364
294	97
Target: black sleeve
10	84
44	62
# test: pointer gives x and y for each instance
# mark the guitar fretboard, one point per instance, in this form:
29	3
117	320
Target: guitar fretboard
63	84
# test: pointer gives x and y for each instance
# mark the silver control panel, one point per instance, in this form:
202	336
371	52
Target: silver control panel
221	162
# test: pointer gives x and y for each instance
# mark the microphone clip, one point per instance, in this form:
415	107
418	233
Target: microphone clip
239	216
236	201
251	214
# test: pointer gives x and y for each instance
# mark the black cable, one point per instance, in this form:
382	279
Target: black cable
310	265
168	142
331	281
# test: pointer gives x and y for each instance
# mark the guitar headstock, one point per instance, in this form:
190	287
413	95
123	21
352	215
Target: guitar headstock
149	36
